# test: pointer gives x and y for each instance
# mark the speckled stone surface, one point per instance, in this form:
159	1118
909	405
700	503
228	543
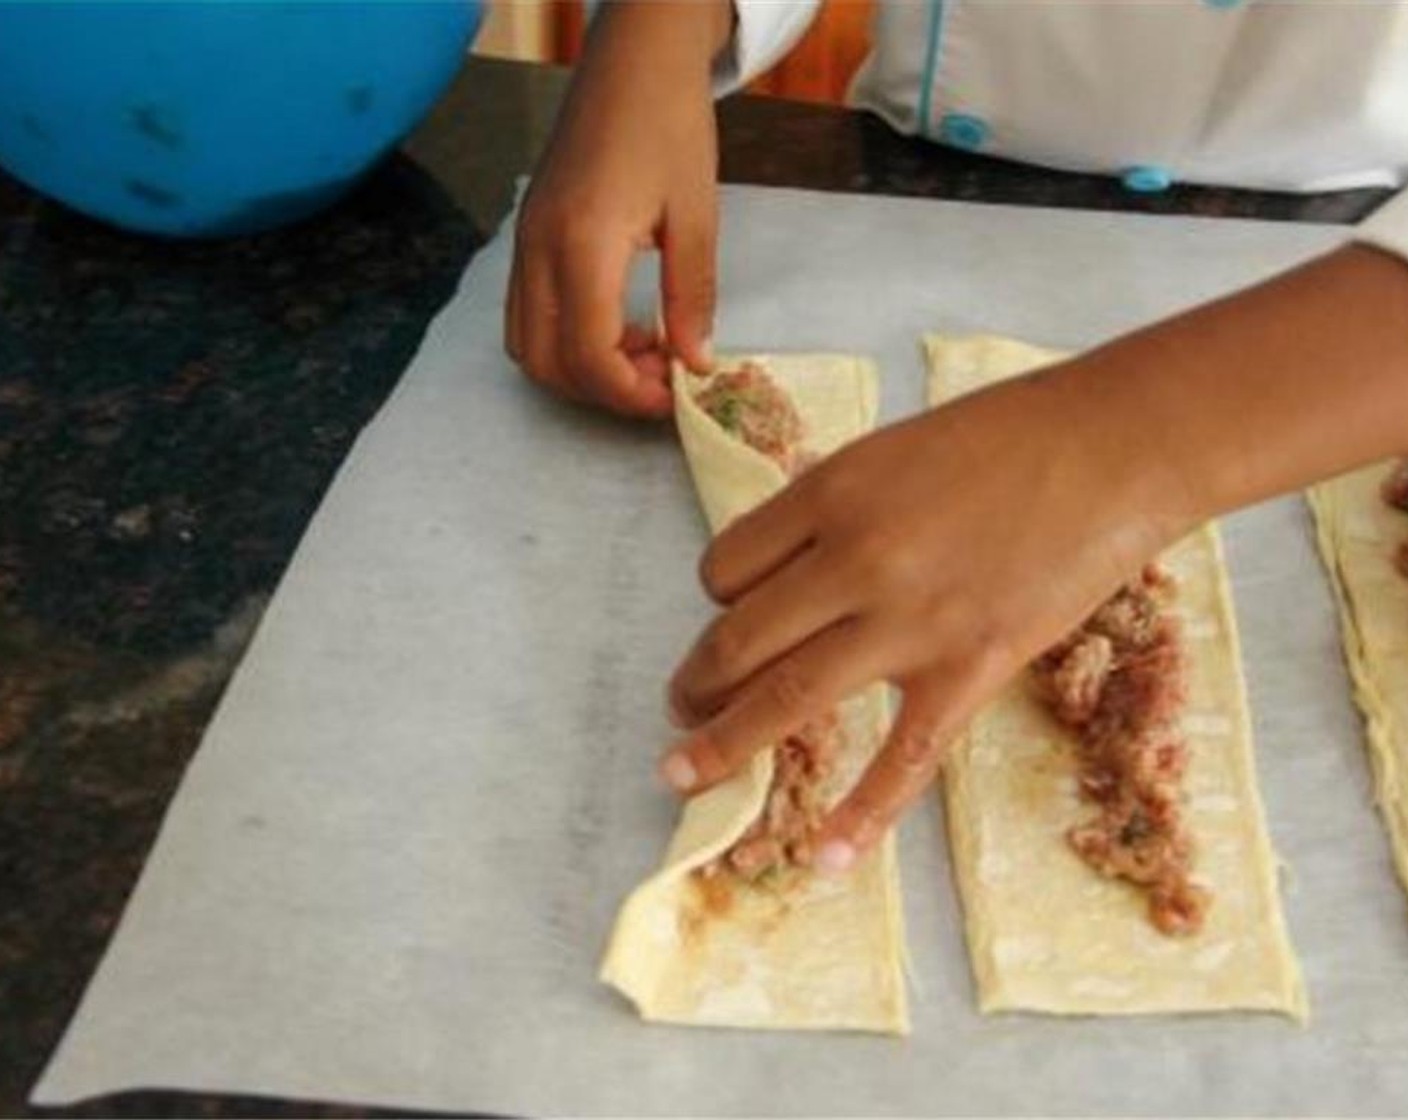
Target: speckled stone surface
170	415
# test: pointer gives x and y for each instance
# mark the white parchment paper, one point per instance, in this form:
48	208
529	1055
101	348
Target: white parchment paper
391	868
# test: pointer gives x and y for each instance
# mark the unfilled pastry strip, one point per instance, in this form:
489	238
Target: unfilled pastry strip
1359	535
1045	932
698	944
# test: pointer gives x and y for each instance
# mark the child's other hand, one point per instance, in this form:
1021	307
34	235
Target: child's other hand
631	165
941	554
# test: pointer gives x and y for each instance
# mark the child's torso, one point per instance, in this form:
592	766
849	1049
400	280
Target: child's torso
1294	94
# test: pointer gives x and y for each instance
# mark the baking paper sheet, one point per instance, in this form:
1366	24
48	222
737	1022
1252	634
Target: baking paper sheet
391	868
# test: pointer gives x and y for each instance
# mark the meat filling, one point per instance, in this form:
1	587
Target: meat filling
751	406
783	834
1395	493
1395	486
1118	683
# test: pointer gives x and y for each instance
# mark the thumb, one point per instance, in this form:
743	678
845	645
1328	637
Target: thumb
689	248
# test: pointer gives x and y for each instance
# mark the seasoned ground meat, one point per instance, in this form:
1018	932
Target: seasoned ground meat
1395	486
1118	684
1077	676
783	833
1395	493
749	404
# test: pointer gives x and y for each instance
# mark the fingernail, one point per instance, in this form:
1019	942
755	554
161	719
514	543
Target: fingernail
835	857
678	772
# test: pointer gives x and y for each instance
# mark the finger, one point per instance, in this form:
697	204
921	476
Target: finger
779	700
932	714
653	367
689	244
758	543
538	315
590	354
647	351
513	339
776	616
650	351
637	338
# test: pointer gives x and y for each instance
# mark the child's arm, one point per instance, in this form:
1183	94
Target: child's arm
944	553
632	164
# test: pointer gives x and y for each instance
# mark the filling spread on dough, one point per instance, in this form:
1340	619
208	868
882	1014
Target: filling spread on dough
753	408
1395	493
782	835
1118	684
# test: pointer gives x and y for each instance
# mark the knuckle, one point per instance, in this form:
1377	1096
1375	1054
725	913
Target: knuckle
590	362
582	228
994	660
867	818
708	575
871	558
678	701
710	754
591	368
580	357
537	367
975	637
940	626
605	390
532	231
883	557
867	830
711	576
547	226
574	238
915	748
725	647
987	630
787	688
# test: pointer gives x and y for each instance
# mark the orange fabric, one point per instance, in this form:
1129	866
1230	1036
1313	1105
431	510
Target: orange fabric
569	30
820	67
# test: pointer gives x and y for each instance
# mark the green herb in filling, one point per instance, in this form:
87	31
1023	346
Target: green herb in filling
729	413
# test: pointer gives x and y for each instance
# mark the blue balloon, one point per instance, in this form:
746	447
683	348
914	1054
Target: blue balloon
204	118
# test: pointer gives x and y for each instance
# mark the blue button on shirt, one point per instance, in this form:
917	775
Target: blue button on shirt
1146	179
963	130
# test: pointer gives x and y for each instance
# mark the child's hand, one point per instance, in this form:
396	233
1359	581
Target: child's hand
631	165
941	554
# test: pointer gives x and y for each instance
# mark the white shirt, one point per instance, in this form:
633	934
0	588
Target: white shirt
1299	95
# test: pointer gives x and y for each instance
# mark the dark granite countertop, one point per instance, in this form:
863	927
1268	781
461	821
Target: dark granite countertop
170	415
